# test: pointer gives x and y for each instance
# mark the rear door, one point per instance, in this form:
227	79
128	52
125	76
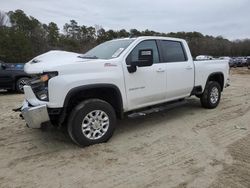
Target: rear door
180	69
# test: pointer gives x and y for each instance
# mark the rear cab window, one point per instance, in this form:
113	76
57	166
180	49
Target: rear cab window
172	51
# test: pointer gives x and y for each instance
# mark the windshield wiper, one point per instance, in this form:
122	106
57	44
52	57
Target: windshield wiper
88	57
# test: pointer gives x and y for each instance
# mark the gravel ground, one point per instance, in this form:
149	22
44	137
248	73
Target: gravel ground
186	146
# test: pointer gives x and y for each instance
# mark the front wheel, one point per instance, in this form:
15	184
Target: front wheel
91	122
211	95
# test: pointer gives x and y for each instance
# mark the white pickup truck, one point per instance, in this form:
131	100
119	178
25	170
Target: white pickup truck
88	92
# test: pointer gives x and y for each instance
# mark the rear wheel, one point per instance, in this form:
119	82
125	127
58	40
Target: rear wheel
211	95
91	122
20	83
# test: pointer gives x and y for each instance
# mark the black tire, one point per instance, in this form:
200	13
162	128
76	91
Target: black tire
207	98
80	112
20	83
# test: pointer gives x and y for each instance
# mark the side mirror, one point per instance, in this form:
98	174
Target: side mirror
145	58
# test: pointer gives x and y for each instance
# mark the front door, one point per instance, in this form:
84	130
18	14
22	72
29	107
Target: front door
146	86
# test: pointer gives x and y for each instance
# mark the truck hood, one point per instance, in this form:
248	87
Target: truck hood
52	60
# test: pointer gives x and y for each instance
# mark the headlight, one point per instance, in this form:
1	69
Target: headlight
39	85
46	76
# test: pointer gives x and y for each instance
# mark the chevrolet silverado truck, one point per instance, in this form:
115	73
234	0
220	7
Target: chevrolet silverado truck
88	92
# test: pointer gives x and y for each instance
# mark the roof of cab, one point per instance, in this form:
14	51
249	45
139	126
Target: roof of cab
159	38
151	37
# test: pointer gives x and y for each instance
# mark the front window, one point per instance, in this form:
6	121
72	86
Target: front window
147	44
108	50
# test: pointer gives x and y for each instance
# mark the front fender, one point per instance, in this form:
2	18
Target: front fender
61	87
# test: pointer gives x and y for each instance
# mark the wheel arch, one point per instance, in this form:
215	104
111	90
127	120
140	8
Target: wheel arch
218	77
107	92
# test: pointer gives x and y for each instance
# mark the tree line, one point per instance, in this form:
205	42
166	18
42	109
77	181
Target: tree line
23	37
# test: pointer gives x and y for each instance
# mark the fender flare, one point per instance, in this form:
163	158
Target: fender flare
75	90
217	73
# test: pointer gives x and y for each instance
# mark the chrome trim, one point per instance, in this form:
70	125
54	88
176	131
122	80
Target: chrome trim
214	95
95	124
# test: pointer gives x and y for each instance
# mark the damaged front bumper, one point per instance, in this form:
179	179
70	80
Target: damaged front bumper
35	116
34	112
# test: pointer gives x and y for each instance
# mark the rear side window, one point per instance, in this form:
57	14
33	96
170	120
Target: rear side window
173	51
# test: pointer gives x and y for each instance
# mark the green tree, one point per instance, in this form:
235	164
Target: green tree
53	35
72	29
25	37
135	33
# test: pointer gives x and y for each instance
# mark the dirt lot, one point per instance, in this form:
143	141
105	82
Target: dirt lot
187	146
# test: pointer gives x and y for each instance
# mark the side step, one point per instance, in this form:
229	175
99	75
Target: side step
166	106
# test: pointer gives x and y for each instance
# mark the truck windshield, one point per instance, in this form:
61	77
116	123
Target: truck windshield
108	50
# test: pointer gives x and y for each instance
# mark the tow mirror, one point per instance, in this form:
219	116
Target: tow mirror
145	58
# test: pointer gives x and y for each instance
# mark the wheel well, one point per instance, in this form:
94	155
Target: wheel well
218	77
110	94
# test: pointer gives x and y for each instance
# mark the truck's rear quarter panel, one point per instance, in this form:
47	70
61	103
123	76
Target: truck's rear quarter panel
203	69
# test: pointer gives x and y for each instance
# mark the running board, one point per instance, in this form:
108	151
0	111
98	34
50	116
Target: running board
161	108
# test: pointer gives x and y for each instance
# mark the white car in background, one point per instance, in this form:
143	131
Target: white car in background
229	59
203	57
225	58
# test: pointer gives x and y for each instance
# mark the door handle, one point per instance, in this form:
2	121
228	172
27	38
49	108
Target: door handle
160	70
189	68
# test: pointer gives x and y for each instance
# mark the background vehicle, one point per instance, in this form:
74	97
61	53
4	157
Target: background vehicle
119	77
232	63
239	62
203	57
248	62
13	77
229	59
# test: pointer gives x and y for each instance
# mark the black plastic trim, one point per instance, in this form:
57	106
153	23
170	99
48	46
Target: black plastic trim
196	90
216	73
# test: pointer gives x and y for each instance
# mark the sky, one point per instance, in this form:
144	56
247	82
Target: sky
227	18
